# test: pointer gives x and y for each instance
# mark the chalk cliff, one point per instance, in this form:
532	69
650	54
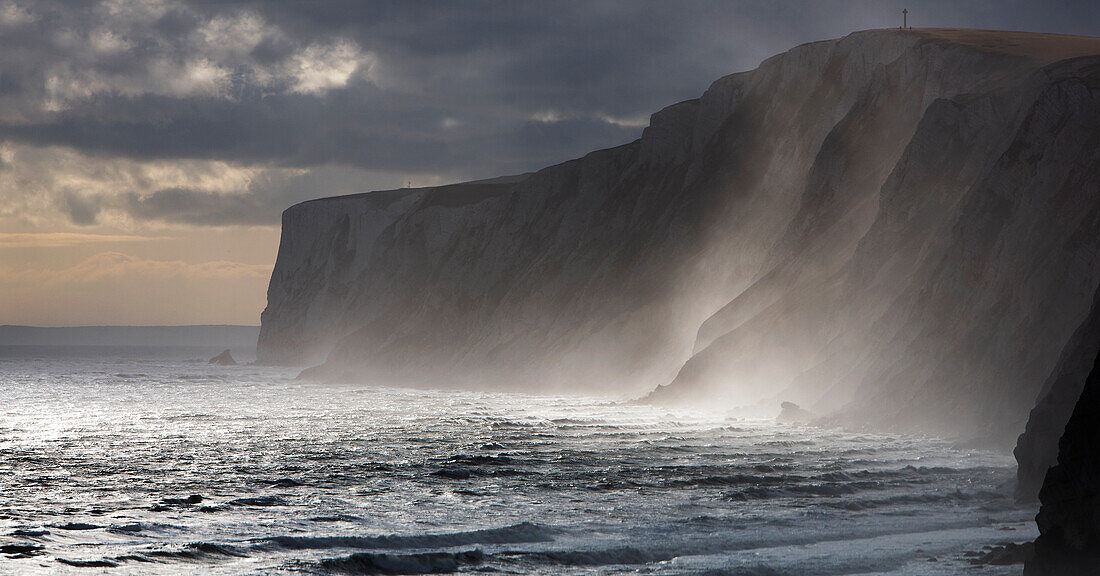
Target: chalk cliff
975	261
897	227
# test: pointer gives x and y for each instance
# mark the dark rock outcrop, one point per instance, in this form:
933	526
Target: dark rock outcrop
897	228
1069	519
1037	447
791	413
1002	555
223	359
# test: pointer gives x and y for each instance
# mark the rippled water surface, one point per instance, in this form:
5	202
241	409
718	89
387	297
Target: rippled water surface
122	465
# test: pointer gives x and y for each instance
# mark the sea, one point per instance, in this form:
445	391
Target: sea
131	460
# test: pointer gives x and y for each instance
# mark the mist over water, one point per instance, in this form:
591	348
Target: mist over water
172	466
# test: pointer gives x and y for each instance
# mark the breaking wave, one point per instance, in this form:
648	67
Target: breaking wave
522	532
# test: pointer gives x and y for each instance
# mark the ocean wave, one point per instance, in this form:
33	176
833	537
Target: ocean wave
516	533
20	549
510	425
29	533
736	480
190	417
828	490
455	473
100	563
258	501
577	421
197	551
423	563
133	558
467	473
759	570
929	470
77	526
127	528
602	557
481	460
280	482
909	499
336	518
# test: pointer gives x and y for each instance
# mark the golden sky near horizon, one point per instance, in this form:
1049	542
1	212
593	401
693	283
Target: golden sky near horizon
175	275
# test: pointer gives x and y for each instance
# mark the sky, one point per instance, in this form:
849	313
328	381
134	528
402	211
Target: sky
148	148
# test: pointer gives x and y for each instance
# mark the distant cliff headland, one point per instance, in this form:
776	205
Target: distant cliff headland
898	229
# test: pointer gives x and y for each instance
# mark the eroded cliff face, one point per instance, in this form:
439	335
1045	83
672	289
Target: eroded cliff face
897	226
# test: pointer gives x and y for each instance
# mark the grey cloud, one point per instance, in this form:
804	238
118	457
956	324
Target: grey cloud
182	205
81	211
177	22
353	127
260	205
272	49
451	88
492	64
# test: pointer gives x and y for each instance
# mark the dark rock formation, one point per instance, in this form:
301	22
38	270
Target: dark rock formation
1069	520
1037	448
224	359
897	228
1002	555
791	413
192	499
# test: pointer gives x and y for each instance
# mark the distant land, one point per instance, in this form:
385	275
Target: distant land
207	336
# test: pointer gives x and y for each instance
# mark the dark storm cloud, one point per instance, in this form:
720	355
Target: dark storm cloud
350	127
180	205
457	89
81	211
457	84
261	204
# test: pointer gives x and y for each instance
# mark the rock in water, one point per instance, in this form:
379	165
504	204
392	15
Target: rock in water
1069	519
793	414
224	359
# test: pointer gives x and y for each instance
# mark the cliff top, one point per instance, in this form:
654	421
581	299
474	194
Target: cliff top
1040	48
456	194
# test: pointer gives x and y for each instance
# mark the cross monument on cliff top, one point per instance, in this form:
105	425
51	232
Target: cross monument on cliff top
904	18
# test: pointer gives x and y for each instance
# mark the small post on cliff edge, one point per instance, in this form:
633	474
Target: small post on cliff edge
904	18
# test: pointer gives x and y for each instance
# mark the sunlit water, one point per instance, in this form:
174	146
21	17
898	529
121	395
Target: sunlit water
100	454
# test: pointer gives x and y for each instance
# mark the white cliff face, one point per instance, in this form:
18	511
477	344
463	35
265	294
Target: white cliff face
965	283
312	280
894	226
